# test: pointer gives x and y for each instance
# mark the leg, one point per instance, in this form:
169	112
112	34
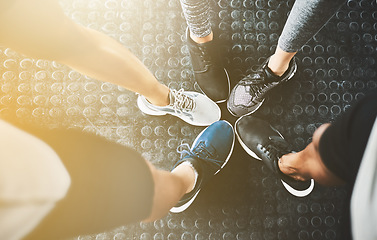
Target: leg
211	77
169	188
332	158
209	153
113	185
40	29
30	27
304	21
308	163
196	13
33	180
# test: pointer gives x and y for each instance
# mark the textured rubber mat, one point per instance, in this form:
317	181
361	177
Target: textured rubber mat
244	201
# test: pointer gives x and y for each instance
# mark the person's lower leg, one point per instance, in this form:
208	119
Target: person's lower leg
53	36
109	61
196	13
169	188
201	39
304	21
279	61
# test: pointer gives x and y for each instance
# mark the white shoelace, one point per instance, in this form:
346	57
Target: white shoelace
181	101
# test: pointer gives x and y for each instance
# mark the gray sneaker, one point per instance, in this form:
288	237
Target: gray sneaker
249	93
192	107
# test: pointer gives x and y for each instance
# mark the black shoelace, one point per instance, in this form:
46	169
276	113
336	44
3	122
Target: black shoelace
205	55
275	149
257	86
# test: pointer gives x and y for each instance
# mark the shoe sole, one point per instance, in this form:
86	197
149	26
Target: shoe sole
299	193
235	115
184	206
289	78
188	204
197	87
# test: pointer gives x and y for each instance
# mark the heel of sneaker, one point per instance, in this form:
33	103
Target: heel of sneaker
198	89
293	71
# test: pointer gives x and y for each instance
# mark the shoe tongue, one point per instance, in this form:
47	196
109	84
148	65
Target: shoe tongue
180	100
281	145
277	149
206	149
205	44
171	98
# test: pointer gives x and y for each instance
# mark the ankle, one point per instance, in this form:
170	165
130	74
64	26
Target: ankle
277	66
160	98
279	61
205	39
190	175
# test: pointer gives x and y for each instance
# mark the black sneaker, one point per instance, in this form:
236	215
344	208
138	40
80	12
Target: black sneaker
211	77
263	142
209	153
249	93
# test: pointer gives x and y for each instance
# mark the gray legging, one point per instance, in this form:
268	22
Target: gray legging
307	17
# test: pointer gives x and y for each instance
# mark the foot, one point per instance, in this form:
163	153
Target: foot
263	142
249	93
192	107
208	154
211	77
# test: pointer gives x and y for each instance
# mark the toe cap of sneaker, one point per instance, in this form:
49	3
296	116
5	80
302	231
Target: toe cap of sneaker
206	111
253	131
214	84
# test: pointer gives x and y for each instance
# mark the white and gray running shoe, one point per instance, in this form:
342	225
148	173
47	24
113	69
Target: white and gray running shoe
192	107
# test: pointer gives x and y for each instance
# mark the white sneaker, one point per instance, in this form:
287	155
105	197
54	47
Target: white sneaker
192	107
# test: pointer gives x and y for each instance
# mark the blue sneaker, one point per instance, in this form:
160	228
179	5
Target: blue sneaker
209	153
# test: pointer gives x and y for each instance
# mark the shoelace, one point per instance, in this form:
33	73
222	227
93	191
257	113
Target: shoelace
200	151
276	147
182	102
205	55
255	89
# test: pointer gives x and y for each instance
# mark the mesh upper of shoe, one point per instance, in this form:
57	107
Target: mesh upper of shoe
251	89
201	151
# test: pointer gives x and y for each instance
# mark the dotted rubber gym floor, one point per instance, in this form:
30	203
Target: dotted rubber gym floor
244	201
